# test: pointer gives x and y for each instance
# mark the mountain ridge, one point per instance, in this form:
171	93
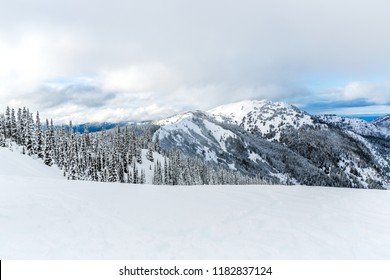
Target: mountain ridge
234	135
252	141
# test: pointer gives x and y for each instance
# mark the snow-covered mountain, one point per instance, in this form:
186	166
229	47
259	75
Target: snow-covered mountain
282	143
248	142
358	126
264	116
383	121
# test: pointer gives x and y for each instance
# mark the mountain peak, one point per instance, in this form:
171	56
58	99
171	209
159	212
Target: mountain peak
263	116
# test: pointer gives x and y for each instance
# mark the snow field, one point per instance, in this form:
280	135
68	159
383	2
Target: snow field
44	216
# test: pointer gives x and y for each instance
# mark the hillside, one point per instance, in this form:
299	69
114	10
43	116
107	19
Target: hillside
14	164
47	217
283	144
356	125
383	121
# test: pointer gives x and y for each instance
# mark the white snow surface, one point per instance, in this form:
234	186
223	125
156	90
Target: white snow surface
43	216
219	134
182	122
16	164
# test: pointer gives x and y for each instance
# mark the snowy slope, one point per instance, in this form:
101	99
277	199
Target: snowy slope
52	218
356	125
198	131
16	164
148	166
383	121
264	116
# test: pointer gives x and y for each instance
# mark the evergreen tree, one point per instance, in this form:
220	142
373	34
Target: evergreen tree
39	136
13	126
8	122
149	154
135	174
142	179
49	145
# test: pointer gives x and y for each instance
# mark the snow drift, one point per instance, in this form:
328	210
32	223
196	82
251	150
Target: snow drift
44	216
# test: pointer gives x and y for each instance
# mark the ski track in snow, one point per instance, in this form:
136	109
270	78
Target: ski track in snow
44	216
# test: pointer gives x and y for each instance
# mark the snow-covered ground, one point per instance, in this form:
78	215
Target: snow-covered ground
44	216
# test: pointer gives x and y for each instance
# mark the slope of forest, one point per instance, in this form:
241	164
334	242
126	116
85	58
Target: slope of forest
124	154
47	217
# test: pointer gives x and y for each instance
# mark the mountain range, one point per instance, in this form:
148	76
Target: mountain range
283	144
248	142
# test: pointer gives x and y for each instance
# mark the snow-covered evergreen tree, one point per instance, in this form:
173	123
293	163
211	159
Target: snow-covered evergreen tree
40	138
149	154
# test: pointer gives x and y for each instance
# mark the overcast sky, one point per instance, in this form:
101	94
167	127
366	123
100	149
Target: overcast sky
115	60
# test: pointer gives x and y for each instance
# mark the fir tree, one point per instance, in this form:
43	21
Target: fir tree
39	136
149	154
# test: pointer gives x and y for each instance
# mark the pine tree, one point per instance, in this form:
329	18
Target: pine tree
13	126
149	154
157	146
19	138
2	130
39	136
157	174
8	123
166	172
30	135
138	154
112	170
142	179
49	145
135	174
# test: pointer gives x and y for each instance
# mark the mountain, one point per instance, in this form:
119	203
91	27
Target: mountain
282	144
263	116
248	142
357	125
96	126
383	121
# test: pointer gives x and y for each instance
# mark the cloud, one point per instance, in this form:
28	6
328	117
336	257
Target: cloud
137	78
360	97
144	59
378	93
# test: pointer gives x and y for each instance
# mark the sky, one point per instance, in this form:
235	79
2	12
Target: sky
125	60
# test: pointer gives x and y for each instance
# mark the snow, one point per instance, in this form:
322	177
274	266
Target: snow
219	134
255	157
148	166
232	166
267	117
174	119
356	125
183	122
43	216
16	164
383	121
236	111
210	155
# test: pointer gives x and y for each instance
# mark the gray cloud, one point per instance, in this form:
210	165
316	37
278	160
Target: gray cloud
187	54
